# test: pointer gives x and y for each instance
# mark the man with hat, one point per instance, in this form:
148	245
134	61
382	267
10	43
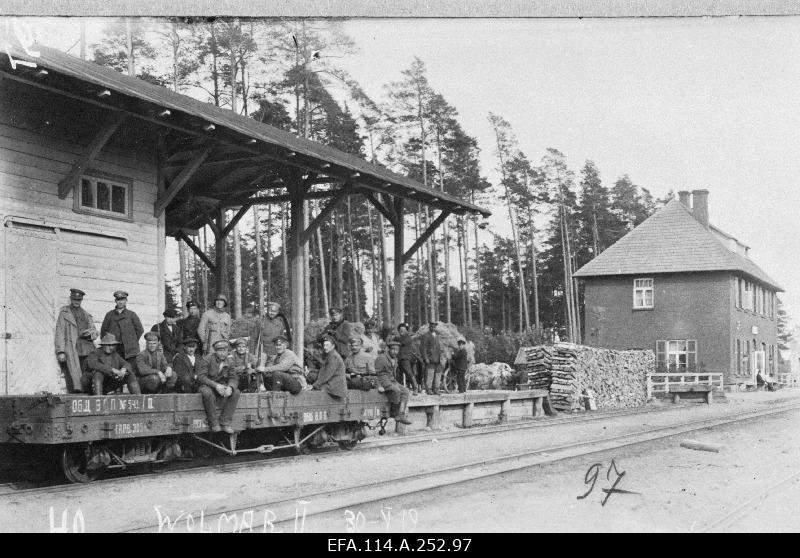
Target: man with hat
273	324
215	323
431	348
331	376
154	372
386	368
125	326
372	343
244	364
74	339
340	330
185	366
360	367
107	371
189	324
219	384
169	334
407	357
284	368
460	363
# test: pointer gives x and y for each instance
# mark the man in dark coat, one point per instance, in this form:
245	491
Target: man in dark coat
386	368
431	348
170	335
74	339
219	384
190	323
331	376
406	357
125	326
460	363
185	366
272	325
107	371
340	330
154	372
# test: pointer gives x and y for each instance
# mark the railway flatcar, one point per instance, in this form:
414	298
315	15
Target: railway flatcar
88	435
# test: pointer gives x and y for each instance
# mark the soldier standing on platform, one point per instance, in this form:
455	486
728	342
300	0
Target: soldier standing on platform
386	368
75	335
407	357
219	383
189	324
460	362
431	348
215	323
126	327
340	330
169	334
272	325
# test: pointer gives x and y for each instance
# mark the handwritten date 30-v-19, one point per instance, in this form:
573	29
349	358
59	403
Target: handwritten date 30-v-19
591	478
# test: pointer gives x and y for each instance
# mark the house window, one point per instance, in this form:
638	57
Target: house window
642	293
676	355
738	356
772	359
104	195
748	295
737	288
746	358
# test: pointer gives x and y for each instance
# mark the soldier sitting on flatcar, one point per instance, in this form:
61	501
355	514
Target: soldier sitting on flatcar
219	383
340	330
331	376
244	364
169	334
386	368
360	367
107	371
154	372
185	367
284	370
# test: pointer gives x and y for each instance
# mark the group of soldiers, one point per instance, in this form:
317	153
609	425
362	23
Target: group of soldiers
196	354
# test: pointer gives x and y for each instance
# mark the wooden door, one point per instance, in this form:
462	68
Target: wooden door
31	306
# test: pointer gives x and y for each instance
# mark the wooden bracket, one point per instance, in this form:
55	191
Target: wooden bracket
425	236
180	181
326	211
183	236
380	207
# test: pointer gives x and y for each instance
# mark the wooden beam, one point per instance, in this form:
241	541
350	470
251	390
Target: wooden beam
425	236
220	250
107	129
297	283
380	207
200	254
287	197
399	282
180	181
236	218
322	215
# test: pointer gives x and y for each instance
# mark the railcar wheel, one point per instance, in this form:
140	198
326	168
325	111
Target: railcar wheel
347	445
75	464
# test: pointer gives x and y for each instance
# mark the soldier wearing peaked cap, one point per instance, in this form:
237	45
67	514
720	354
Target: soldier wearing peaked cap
331	377
284	368
340	330
152	368
107	371
126	326
169	334
274	323
386	369
219	385
432	355
407	357
190	323
185	365
215	323
360	367
75	333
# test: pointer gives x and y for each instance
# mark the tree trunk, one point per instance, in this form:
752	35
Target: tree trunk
353	265
387	294
432	282
284	253
534	272
376	306
339	261
323	278
259	267
418	281
205	270
461	262
129	42
478	275
467	288
237	274
183	274
269	252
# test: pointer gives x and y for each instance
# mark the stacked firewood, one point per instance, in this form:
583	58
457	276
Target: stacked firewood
617	379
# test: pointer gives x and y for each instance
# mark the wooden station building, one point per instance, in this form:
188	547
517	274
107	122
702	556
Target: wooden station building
97	168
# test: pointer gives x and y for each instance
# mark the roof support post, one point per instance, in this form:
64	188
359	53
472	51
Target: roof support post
399	240
425	236
200	254
296	192
220	249
109	126
180	181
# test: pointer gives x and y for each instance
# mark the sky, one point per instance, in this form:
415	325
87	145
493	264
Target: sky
675	103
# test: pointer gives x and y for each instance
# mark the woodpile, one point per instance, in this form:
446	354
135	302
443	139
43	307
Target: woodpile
618	379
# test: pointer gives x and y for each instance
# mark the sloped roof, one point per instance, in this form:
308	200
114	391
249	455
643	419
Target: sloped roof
671	241
305	151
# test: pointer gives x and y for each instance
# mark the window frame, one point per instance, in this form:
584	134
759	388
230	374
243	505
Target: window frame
112	180
663	352
644	290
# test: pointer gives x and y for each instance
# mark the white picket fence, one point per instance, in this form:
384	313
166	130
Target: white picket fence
660	383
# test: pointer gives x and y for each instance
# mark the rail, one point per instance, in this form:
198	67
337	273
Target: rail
660	382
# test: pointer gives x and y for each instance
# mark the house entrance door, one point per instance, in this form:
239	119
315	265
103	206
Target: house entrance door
758	363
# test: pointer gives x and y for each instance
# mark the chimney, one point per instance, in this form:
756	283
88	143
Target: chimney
700	203
683	197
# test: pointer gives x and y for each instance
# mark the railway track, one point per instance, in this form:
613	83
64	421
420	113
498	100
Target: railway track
286	510
227	464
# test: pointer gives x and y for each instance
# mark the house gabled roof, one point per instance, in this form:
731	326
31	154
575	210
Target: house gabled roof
671	241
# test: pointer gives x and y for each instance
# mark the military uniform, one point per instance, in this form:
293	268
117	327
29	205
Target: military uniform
127	328
341	332
406	359
75	333
431	348
270	328
360	369
148	365
99	377
185	369
332	376
244	366
386	369
171	339
211	372
286	372
460	365
189	326
215	325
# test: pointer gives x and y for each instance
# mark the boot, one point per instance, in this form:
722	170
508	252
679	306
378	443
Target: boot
402	415
393	410
97	384
436	378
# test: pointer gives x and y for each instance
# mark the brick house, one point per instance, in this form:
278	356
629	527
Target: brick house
687	290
